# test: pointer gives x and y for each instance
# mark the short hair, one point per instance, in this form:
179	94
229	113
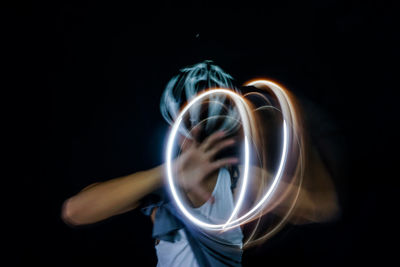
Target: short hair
217	113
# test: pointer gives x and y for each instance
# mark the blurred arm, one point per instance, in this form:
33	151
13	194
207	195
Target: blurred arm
317	201
103	200
100	201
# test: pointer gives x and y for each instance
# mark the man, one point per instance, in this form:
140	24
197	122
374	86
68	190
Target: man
206	178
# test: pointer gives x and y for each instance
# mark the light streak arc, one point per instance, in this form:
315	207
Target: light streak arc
238	100
287	109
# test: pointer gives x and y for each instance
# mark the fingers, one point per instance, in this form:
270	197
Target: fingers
220	146
195	132
185	143
223	162
212	139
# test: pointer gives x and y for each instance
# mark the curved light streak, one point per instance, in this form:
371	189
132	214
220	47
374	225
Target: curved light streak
242	106
245	113
250	214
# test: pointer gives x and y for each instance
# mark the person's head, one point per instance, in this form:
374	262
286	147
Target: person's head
216	112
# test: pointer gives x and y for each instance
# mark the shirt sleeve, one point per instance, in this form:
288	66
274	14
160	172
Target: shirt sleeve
151	201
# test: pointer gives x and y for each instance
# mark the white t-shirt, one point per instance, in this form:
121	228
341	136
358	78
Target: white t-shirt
179	253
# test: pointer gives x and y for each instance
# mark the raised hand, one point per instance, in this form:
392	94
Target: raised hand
197	162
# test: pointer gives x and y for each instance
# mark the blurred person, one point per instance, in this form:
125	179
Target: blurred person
208	180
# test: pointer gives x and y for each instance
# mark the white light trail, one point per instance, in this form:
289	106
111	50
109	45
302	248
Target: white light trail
243	111
247	122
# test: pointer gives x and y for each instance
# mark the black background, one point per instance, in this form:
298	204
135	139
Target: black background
87	77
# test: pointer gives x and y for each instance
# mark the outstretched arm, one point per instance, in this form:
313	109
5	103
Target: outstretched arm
100	201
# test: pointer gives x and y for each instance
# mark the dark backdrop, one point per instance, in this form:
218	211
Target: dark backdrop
87	79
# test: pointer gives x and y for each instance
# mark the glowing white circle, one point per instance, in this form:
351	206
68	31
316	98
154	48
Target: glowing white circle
243	111
245	115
